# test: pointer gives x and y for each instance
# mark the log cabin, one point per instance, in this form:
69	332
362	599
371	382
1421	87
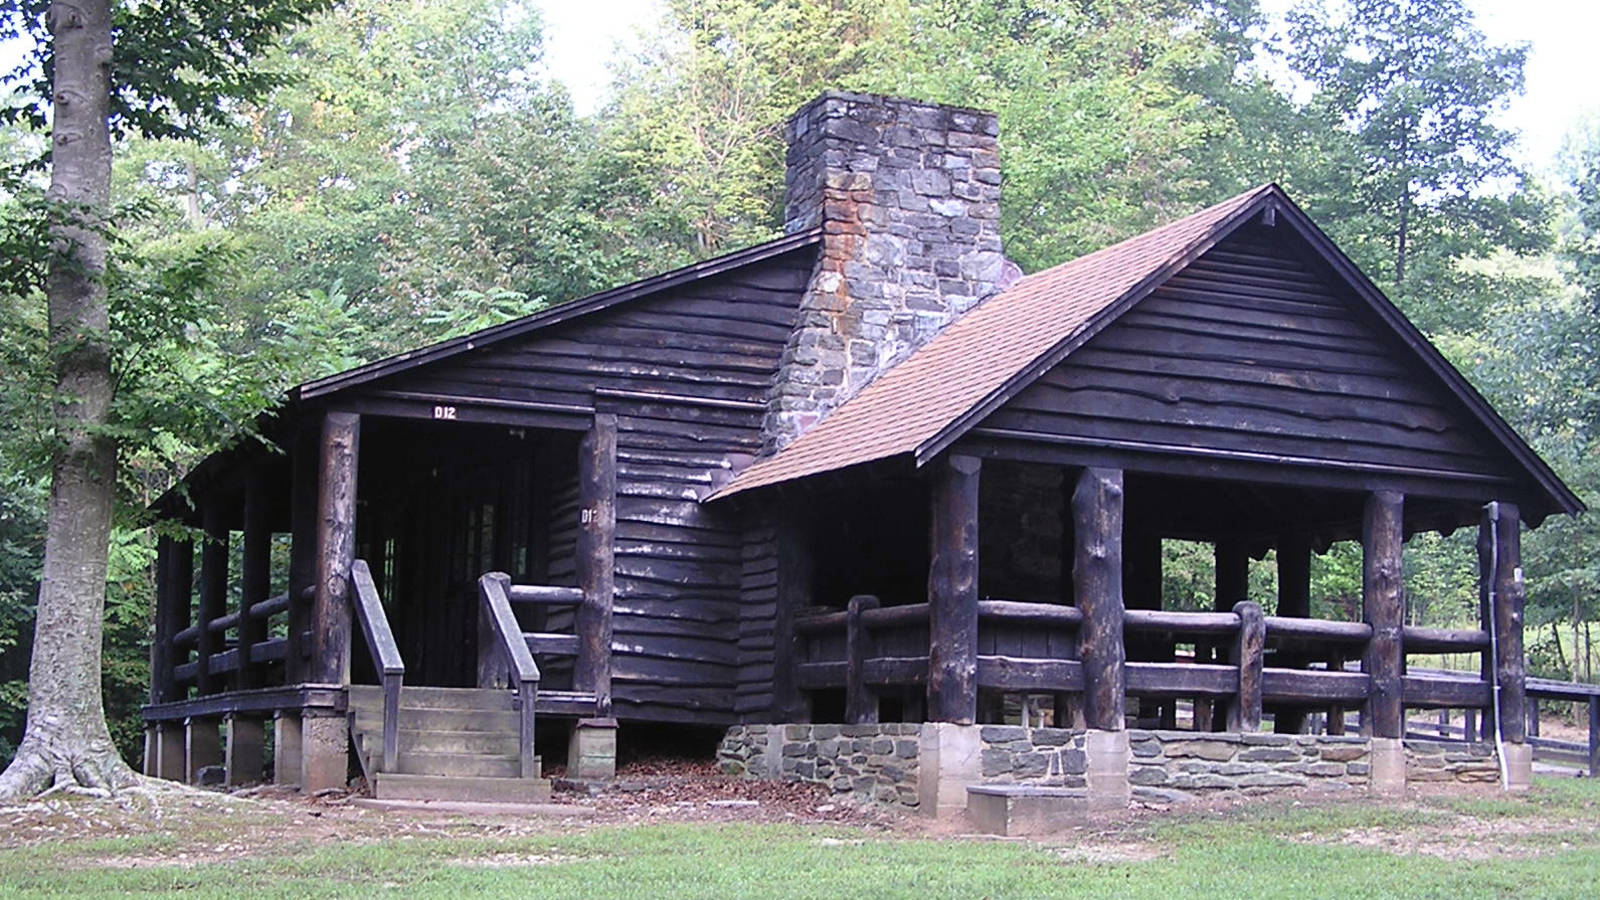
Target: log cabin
868	483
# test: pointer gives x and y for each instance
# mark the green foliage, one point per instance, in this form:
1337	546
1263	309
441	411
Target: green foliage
1414	88
176	64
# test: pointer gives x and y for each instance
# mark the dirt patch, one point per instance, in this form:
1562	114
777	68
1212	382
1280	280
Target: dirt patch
515	860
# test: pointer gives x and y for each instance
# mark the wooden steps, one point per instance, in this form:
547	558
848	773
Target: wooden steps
458	744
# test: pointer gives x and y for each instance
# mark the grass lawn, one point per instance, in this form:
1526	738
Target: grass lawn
1450	844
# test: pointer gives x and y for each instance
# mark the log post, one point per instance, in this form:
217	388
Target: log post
213	595
794	595
1336	663
597	500
1068	706
1141	589
1097	580
1383	607
1294	599
1231	585
1504	521
304	463
336	546
860	700
255	576
1594	736
1244	713
174	583
953	593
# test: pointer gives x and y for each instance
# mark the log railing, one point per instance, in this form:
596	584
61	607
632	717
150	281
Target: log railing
385	655
843	648
224	654
494	594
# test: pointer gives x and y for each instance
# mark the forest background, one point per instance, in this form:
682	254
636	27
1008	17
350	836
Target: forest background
417	172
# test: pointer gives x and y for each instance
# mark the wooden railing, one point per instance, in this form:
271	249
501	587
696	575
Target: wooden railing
493	593
385	652
225	655
1260	660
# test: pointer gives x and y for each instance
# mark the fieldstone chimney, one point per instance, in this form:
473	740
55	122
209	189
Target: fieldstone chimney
908	195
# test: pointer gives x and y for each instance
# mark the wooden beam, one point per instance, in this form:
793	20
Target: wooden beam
304	463
169	593
255	575
597	533
1504	521
860	701
1294	601
213	594
336	544
1097	580
1383	607
953	592
795	587
1244	713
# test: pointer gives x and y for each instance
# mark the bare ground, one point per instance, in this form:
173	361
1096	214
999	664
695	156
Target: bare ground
192	827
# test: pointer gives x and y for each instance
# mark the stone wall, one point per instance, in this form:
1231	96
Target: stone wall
908	195
1436	761
869	762
1013	754
882	763
1178	765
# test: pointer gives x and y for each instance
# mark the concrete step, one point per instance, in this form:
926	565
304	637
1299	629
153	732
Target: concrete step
370	696
1025	809
489	743
399	786
454	764
497	721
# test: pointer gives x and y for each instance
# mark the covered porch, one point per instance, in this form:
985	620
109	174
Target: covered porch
372	584
1012	584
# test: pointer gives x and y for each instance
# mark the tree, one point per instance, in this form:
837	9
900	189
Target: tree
158	69
1416	86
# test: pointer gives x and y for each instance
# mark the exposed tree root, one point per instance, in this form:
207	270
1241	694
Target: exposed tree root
40	770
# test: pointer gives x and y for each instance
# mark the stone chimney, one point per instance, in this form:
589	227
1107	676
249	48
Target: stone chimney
908	196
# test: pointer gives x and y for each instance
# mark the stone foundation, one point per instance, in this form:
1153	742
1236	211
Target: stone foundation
870	762
928	767
1435	761
1179	765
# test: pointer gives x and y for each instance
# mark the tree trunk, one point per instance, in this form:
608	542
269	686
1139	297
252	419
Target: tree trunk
66	742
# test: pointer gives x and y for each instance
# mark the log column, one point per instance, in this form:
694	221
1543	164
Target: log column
1141	584
324	738
1294	599
953	593
1506	597
174	582
1097	582
1383	607
597	498
255	575
302	549
213	595
860	700
1232	586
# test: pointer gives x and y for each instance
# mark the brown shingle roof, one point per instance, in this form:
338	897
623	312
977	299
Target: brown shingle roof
976	356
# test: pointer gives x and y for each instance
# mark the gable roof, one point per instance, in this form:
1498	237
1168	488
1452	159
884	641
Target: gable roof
563	312
928	400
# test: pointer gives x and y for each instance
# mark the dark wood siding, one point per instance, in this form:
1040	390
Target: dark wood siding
687	374
758	589
1252	350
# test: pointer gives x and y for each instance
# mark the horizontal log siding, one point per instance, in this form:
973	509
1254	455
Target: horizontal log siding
758	593
1248	349
679	637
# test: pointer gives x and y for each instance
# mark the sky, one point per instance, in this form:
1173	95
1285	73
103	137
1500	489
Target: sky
1563	79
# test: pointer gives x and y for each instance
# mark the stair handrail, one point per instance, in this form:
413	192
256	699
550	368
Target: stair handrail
493	592
385	655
